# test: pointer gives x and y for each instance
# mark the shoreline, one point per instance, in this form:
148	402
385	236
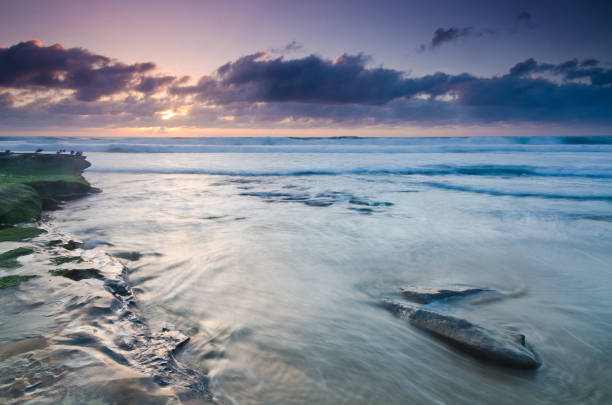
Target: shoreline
74	329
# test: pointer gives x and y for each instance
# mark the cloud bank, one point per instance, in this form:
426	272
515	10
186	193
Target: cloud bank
54	86
30	65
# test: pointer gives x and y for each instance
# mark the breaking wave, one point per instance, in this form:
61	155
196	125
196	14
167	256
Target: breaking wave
437	170
312	145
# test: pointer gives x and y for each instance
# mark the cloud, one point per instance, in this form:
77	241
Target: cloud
569	70
311	79
54	86
589	63
6	100
313	86
152	84
524	19
442	36
292	46
451	34
32	65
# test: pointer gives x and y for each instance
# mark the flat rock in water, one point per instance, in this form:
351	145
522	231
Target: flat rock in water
426	295
504	348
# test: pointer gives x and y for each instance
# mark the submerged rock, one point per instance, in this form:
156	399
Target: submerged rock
76	274
72	245
131	256
504	348
426	295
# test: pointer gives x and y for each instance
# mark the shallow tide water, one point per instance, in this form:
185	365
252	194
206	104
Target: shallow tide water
274	261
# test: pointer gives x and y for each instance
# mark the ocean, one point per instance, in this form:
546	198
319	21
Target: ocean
272	255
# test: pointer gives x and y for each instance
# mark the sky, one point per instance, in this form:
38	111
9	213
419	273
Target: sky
305	68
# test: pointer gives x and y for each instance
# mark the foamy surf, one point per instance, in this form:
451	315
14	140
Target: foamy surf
95	344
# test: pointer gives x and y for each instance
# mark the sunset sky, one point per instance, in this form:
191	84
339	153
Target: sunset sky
306	68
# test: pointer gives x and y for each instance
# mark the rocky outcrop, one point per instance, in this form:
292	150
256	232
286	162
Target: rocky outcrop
42	164
31	182
504	348
426	295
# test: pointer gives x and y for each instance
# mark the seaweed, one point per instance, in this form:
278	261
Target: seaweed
66	259
16	233
7	259
13	281
76	274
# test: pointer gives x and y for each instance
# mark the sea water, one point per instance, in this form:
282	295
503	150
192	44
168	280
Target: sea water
272	254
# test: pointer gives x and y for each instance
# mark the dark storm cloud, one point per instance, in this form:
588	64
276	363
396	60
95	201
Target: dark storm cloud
31	65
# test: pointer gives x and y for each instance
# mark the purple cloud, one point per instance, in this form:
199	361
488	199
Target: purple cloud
31	65
258	89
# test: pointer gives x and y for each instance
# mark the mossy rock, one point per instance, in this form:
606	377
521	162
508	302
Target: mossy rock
54	242
66	188
31	182
18	203
42	164
13	281
7	259
16	233
66	259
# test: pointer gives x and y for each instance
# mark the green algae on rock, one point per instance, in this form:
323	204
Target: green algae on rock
14	281
31	182
66	259
16	233
63	189
18	203
7	259
76	274
42	164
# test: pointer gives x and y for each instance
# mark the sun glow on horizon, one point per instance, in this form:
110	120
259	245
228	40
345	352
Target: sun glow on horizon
171	113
